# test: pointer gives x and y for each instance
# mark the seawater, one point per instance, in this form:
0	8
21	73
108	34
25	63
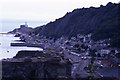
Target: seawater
9	25
7	51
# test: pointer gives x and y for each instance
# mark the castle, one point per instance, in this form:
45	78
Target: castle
25	25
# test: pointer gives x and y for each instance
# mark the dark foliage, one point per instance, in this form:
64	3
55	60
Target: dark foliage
118	55
76	46
103	22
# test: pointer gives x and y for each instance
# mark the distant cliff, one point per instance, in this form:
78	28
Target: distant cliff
102	22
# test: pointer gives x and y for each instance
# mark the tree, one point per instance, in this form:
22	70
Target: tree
118	55
84	47
67	43
92	52
76	45
98	55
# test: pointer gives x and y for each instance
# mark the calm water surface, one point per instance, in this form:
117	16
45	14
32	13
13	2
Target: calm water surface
7	51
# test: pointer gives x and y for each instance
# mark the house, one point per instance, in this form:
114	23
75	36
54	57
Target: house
109	72
79	36
104	51
110	60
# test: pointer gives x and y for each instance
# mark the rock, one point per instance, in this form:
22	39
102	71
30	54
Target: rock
28	70
28	60
25	53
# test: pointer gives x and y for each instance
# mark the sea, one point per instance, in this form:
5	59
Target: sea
6	50
9	25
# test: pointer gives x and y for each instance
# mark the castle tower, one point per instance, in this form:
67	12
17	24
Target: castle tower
26	24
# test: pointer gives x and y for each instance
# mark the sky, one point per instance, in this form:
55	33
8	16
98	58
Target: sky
43	10
14	13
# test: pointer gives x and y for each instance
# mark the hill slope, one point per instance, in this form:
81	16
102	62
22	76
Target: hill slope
102	22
